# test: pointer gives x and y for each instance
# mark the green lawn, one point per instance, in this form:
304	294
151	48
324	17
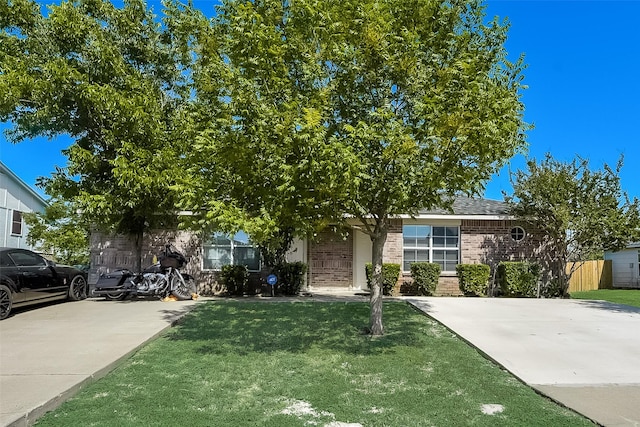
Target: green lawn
620	296
307	364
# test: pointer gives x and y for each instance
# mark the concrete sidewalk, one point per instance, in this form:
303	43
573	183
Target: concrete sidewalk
583	354
48	353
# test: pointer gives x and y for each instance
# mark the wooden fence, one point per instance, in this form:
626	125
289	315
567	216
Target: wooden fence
591	275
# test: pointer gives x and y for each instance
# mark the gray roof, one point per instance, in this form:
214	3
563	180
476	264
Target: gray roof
471	206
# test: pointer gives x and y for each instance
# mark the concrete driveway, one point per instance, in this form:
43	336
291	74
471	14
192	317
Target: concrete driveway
47	353
583	354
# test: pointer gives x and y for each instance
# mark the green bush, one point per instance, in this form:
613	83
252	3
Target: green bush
234	278
473	279
390	275
518	279
291	277
425	276
552	289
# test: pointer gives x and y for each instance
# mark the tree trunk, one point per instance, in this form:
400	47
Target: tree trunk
378	240
137	266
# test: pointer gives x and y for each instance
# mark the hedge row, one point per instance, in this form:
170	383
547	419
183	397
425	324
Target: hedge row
290	278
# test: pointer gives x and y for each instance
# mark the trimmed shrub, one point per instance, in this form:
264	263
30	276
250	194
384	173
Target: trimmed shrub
291	277
552	289
390	275
425	276
234	278
473	279
518	279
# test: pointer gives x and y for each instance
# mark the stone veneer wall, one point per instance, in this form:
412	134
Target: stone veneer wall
109	253
331	260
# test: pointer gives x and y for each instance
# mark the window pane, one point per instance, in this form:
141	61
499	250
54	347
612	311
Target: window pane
439	231
215	257
248	256
409	257
27	259
423	230
422	256
452	231
241	238
422	242
438	242
16	224
409	242
220	239
452	242
409	231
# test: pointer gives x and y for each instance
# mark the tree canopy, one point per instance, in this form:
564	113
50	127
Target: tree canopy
276	117
361	109
60	231
115	80
580	211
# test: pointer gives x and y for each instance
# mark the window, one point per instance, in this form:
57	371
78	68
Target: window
425	243
518	234
224	249
16	223
27	259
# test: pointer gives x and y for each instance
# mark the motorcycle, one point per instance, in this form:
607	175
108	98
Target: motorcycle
161	279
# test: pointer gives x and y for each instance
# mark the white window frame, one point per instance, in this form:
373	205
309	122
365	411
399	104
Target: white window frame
431	248
232	246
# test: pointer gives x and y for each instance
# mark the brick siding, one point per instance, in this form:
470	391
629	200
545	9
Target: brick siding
331	260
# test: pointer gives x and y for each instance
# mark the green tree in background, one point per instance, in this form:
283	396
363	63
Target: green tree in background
60	231
116	81
579	210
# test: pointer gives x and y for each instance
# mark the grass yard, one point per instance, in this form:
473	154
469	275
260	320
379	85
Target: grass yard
307	364
620	296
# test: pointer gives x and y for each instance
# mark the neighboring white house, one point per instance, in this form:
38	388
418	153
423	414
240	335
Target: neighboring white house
625	265
16	198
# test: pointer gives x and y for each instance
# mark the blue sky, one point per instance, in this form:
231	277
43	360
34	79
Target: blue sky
583	98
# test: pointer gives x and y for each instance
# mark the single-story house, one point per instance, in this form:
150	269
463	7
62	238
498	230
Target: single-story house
477	231
16	198
625	265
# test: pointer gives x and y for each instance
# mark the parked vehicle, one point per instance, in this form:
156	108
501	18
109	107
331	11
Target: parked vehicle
161	279
28	278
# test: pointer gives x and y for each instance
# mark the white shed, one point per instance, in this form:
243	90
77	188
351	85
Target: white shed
625	266
16	198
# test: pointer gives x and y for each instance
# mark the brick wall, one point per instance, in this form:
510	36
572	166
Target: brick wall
331	260
489	242
109	253
486	242
392	251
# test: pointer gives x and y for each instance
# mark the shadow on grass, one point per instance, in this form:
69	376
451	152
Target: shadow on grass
609	306
244	328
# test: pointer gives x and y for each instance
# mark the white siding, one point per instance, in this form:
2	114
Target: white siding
625	268
15	195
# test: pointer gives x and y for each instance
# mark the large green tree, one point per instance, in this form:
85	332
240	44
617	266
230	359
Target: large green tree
580	211
426	99
379	107
116	81
262	161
